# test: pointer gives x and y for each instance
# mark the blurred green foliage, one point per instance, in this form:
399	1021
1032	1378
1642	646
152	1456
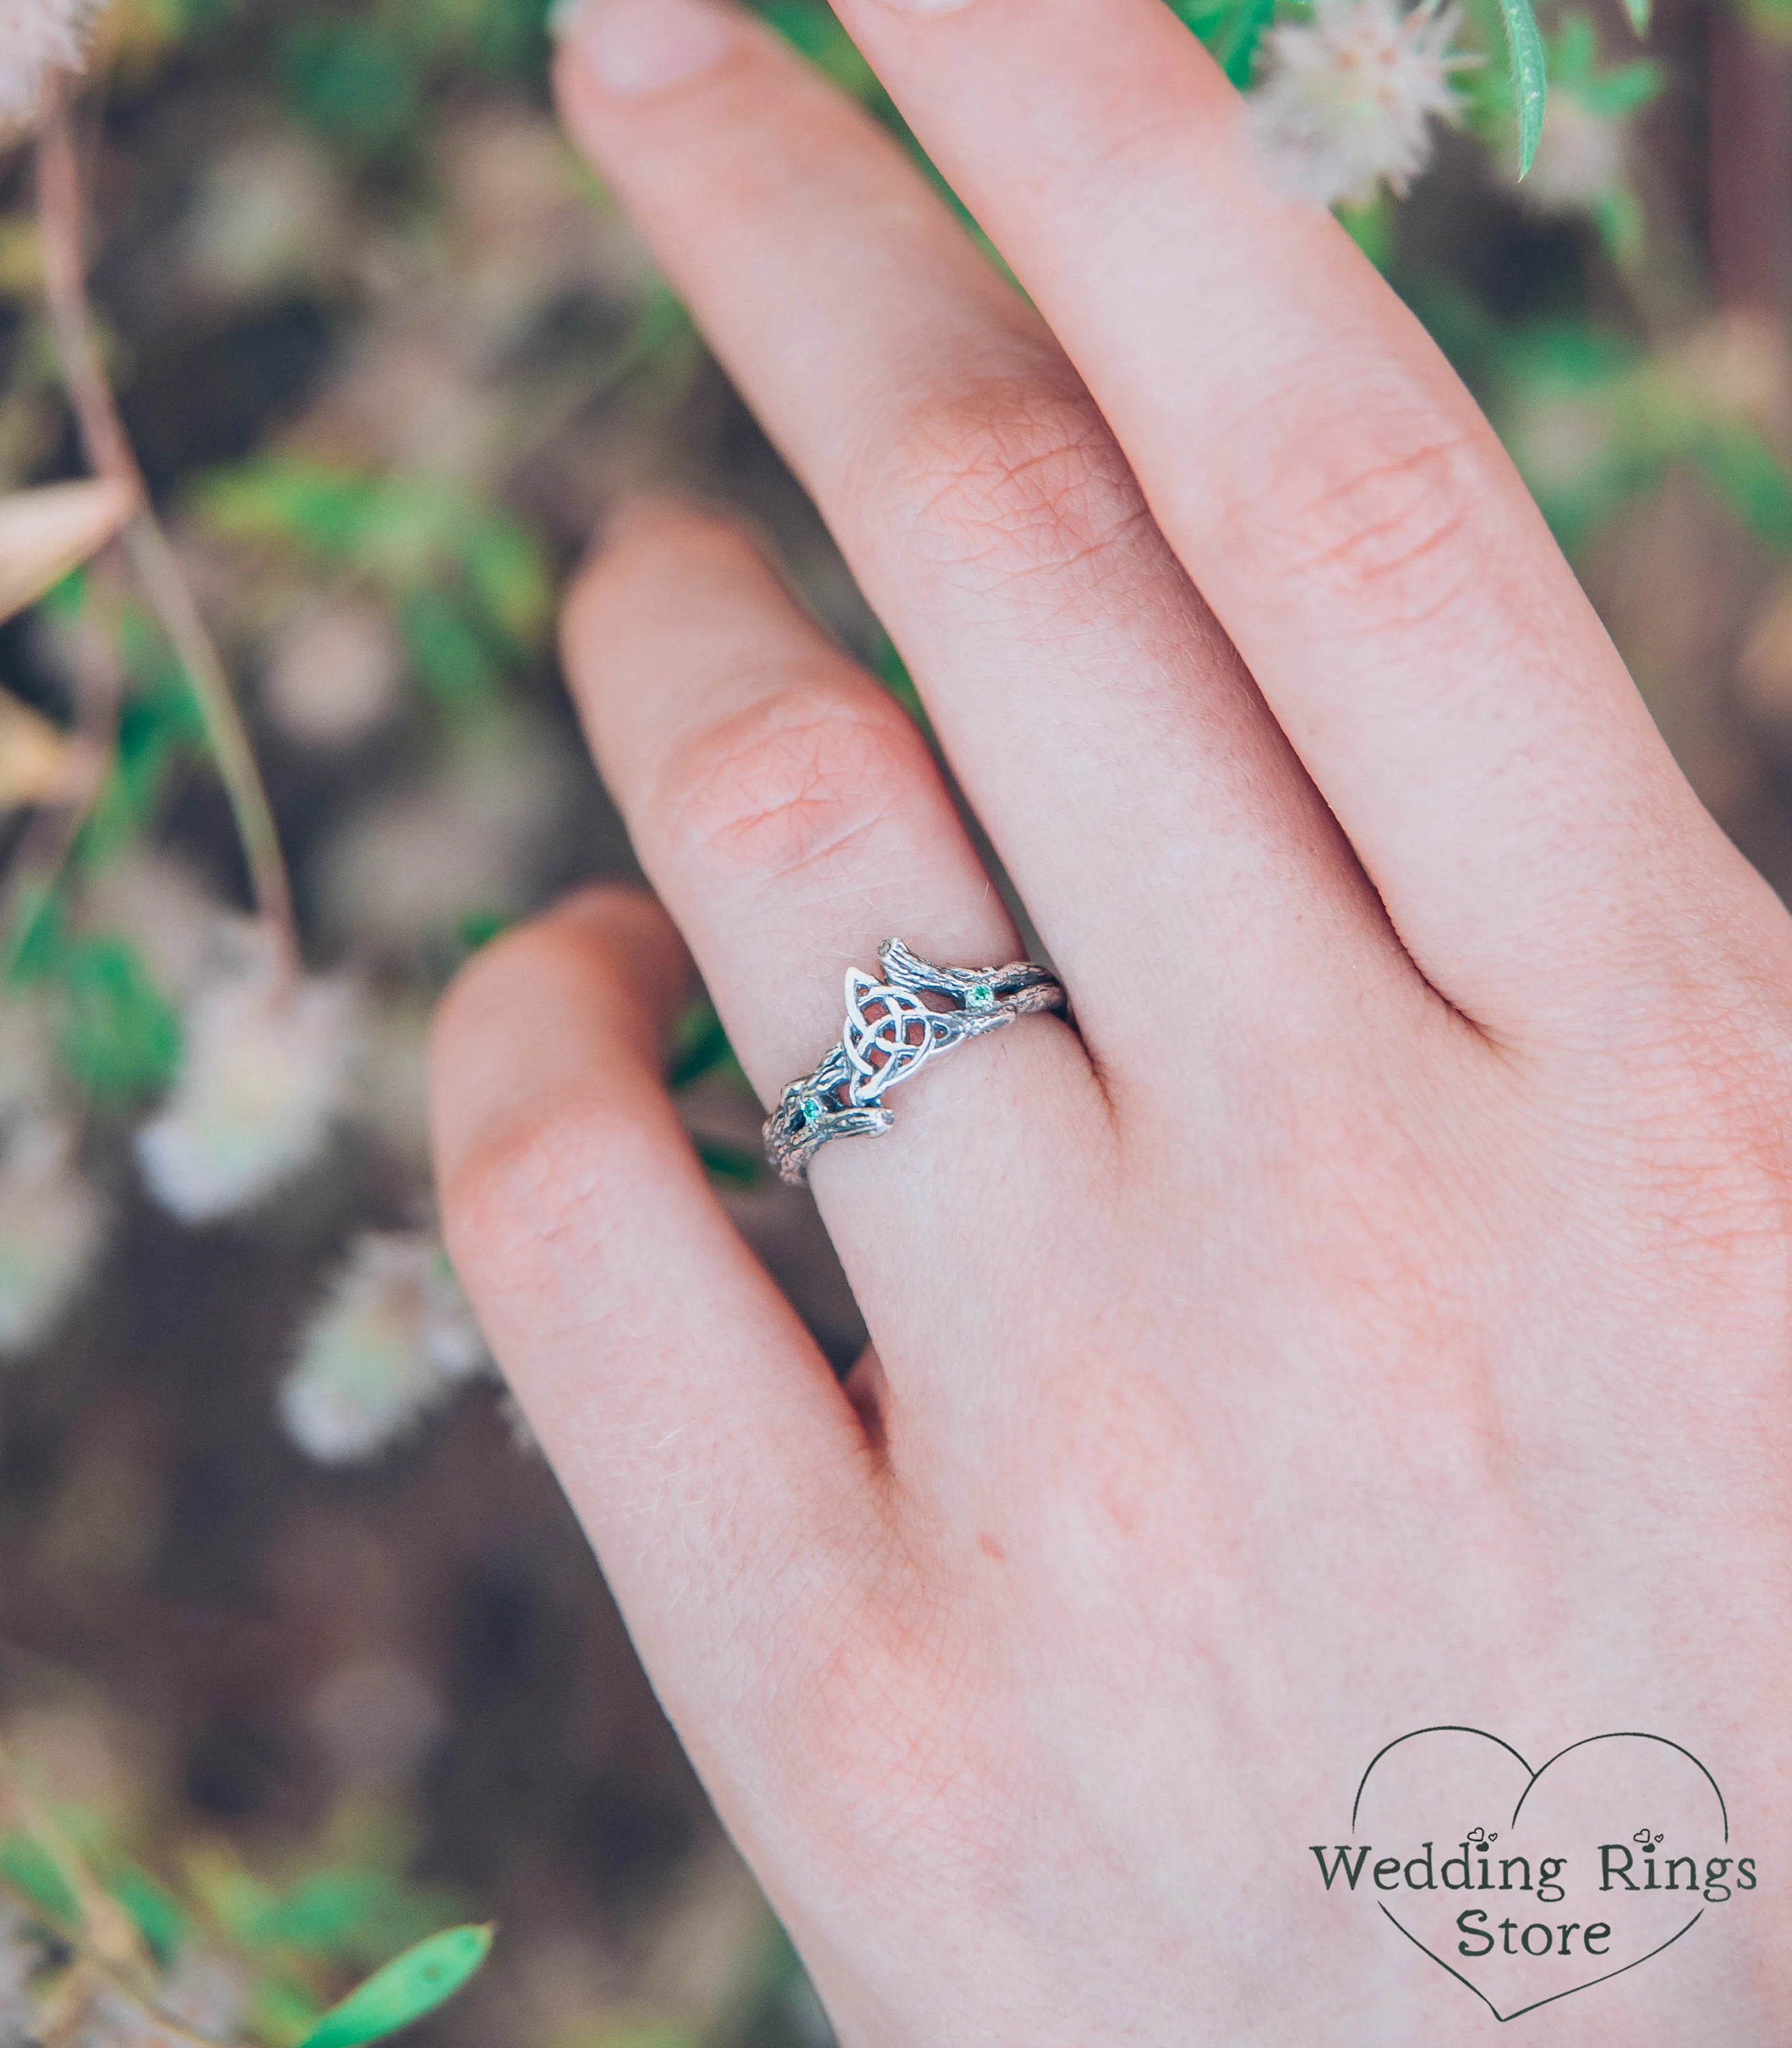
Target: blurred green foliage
363	77
292	1942
470	585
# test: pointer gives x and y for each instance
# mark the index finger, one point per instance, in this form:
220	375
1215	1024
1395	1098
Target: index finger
1327	482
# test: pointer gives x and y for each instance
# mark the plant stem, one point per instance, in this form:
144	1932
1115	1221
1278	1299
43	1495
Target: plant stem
163	581
49	838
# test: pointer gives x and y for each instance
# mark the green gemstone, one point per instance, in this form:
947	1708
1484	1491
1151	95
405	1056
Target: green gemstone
982	996
811	1110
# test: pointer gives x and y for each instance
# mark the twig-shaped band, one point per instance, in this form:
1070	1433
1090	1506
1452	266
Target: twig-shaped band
893	1027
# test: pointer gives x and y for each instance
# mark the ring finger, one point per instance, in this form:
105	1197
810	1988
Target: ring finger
791	818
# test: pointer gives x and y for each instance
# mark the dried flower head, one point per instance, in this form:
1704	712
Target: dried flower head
37	37
392	1340
52	1223
266	1067
1351	96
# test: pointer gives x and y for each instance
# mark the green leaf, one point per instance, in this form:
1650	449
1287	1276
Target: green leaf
280	498
159	728
731	1165
1237	48
699	1046
349	80
319	1912
478	928
410	1986
506	574
1627	90
35	944
1371	227
160	1917
1618	216
1530	77
350	1914
892	671
663	321
1206	17
1745	472
815	31
497	37
29	1867
448	655
120	1039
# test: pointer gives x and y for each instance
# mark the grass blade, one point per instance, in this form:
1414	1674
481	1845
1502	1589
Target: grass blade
1529	75
407	1987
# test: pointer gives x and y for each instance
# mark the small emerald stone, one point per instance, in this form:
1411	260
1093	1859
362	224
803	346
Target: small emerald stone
983	996
811	1110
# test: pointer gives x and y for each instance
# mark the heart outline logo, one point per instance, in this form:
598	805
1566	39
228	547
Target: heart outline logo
1532	1777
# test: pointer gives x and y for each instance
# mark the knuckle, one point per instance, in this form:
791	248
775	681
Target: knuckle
1010	478
1371	504
798	781
511	1199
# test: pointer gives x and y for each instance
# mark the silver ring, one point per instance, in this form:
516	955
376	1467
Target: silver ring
893	1027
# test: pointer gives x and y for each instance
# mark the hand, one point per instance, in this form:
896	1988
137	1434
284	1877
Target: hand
1374	1311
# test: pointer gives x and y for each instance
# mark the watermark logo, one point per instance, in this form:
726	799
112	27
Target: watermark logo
1531	1885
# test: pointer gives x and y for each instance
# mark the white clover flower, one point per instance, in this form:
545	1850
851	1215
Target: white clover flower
37	37
266	1067
393	1340
1351	96
52	1223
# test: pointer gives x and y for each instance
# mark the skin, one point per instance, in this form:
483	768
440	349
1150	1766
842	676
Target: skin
1375	1312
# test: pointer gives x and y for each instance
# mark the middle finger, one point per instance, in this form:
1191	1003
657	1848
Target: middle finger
1101	726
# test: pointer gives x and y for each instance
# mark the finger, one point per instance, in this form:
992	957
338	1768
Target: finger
1329	484
723	1478
791	818
1106	735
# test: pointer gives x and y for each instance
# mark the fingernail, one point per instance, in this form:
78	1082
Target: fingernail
642	46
